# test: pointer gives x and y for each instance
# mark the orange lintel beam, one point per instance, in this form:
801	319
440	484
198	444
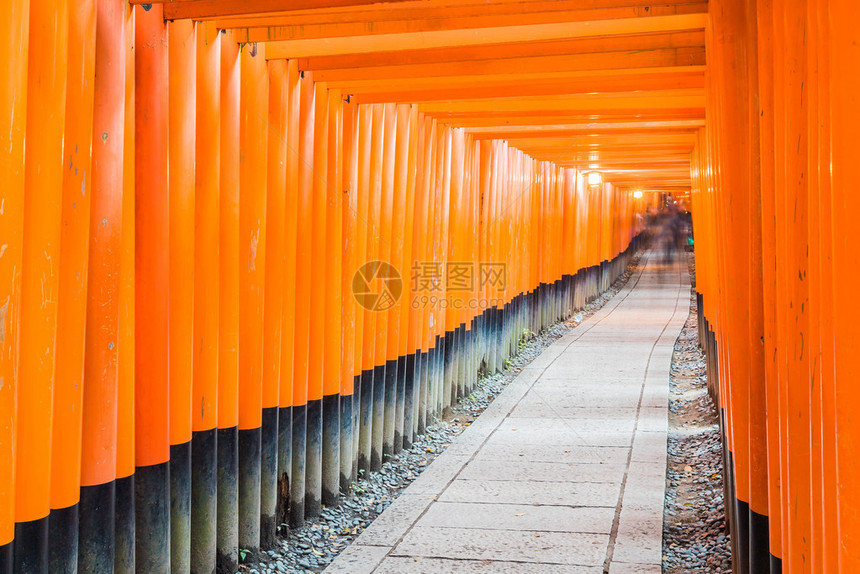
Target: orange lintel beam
619	165
652	100
495	117
409	54
559	152
198	9
588	127
580	133
565	149
404	17
627	160
543	88
472	37
504	120
690	56
267	29
510	79
434	9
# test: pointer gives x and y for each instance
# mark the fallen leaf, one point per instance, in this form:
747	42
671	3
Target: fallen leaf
520	514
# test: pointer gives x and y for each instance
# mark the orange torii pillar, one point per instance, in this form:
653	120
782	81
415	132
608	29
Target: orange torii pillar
152	453
253	113
410	318
304	243
14	31
99	408
821	276
207	224
844	53
276	194
288	326
124	519
72	295
396	363
331	383
368	215
453	186
349	366
227	533
431	291
319	275
35	320
383	186
182	45
422	252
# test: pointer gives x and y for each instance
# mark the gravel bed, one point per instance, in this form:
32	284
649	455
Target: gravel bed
312	547
695	538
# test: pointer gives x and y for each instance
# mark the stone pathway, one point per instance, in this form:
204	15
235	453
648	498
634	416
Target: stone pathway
565	471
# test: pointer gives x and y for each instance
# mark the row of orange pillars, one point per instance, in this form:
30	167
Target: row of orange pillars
775	208
226	288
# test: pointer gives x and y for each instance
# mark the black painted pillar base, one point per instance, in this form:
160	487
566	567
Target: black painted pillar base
285	467
410	388
180	507
331	438
759	543
365	419
775	565
400	402
204	500
228	500
124	525
31	546
250	445
347	439
6	558
152	518
378	417
63	539
268	477
97	528
297	485
313	456
390	398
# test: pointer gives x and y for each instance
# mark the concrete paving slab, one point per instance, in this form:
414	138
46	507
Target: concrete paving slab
358	559
649	447
640	536
436	477
548	409
415	565
544	409
554	453
540	518
515	492
625	568
390	526
576	440
505	545
596	436
534	471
